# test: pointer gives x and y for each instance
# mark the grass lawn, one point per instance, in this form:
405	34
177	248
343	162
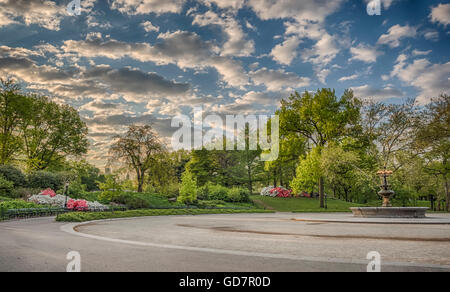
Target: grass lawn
301	204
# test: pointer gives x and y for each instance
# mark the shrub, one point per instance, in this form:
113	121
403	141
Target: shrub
19	204
188	189
14	175
90	216
23	192
6	186
44	179
218	192
238	195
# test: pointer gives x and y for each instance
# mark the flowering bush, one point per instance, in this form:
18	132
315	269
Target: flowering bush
59	201
281	192
48	192
266	191
79	205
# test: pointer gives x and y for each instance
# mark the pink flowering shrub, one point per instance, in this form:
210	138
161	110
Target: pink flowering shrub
281	192
79	205
48	192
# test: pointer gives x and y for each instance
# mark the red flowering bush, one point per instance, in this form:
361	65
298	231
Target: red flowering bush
48	192
79	205
281	192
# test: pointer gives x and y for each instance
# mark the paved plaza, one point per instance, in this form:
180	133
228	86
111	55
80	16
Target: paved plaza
239	242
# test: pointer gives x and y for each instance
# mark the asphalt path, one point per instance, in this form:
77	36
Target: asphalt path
225	243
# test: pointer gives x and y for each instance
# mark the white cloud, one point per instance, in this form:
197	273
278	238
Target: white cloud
136	7
225	4
323	74
277	80
441	14
364	53
148	26
236	43
315	10
379	94
395	34
184	49
431	35
286	52
430	79
421	53
44	13
346	78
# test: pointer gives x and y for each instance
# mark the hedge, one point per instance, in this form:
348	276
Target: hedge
90	216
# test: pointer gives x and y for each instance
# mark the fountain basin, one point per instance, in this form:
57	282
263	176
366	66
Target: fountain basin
389	212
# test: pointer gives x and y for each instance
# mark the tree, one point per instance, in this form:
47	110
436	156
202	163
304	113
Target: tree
433	137
51	132
188	189
320	118
13	107
137	148
309	172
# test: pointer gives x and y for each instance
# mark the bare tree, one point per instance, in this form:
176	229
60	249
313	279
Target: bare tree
137	148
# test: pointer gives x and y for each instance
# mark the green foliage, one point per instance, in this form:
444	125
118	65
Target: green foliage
24	192
6	186
188	188
91	216
44	179
4	199
111	188
19	204
308	172
238	195
14	175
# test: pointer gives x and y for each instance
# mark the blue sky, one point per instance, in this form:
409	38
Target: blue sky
144	61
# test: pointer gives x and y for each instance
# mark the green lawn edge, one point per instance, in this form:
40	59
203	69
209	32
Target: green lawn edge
92	216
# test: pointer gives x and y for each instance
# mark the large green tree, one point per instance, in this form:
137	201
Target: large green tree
50	132
138	148
13	108
320	117
433	137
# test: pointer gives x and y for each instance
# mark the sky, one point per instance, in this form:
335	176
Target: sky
122	62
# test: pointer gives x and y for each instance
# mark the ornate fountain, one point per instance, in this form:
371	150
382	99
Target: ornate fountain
387	211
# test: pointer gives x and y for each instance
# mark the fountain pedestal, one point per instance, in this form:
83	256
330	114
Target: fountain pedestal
387	211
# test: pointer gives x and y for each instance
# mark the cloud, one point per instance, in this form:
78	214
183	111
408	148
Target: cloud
148	26
440	14
182	48
44	13
379	94
315	10
236	43
225	4
286	52
395	34
346	78
431	35
364	53
277	80
430	79
421	53
136	7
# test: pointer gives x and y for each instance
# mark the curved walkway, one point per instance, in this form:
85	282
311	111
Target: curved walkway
240	242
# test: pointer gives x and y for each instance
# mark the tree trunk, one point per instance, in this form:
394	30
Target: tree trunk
447	197
140	182
250	182
321	192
